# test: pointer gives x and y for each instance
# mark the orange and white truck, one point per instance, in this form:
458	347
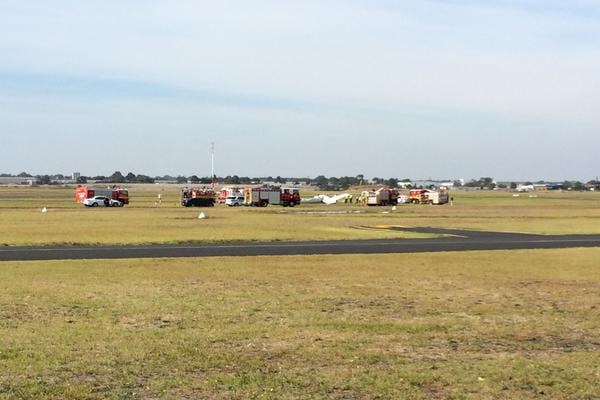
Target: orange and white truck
427	196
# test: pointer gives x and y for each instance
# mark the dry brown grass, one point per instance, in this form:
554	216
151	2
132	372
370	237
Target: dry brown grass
21	221
505	324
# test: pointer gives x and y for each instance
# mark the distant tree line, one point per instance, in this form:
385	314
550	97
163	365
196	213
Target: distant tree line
331	183
489	183
482	183
118	177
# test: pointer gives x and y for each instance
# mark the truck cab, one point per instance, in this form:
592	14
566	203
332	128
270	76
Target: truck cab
290	197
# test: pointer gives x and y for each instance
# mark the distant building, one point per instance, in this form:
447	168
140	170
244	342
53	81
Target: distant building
75	176
428	184
15	180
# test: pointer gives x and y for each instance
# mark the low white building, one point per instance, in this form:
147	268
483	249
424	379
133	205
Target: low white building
16	180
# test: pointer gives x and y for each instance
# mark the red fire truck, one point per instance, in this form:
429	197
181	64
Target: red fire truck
196	197
84	192
263	196
426	196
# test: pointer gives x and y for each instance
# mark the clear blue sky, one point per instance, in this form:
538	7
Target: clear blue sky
441	89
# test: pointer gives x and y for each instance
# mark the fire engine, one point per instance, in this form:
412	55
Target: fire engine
426	196
380	197
263	196
84	192
195	197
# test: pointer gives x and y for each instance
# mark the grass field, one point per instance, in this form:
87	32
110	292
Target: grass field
22	223
475	325
478	325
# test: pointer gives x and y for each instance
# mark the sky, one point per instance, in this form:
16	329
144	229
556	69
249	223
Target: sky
422	89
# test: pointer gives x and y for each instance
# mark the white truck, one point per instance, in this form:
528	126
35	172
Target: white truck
437	197
234	201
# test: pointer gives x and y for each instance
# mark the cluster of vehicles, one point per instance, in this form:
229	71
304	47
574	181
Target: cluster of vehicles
102	201
101	197
387	196
290	197
235	197
259	197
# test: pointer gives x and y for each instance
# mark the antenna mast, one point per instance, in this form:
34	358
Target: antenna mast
212	164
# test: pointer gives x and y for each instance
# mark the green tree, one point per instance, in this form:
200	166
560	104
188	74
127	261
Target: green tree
233	180
43	179
361	179
392	182
346	181
116	177
321	182
130	177
594	183
334	183
144	179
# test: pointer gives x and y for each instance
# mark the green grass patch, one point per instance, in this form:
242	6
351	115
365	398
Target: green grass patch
145	221
504	324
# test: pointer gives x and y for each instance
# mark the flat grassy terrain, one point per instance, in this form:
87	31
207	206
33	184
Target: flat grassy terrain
477	325
145	221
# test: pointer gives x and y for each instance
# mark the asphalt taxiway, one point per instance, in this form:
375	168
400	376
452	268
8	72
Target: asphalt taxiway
454	240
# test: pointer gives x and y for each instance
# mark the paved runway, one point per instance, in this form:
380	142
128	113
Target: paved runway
460	241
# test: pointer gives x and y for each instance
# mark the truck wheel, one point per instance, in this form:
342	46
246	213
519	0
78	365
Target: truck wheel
236	204
264	203
292	203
